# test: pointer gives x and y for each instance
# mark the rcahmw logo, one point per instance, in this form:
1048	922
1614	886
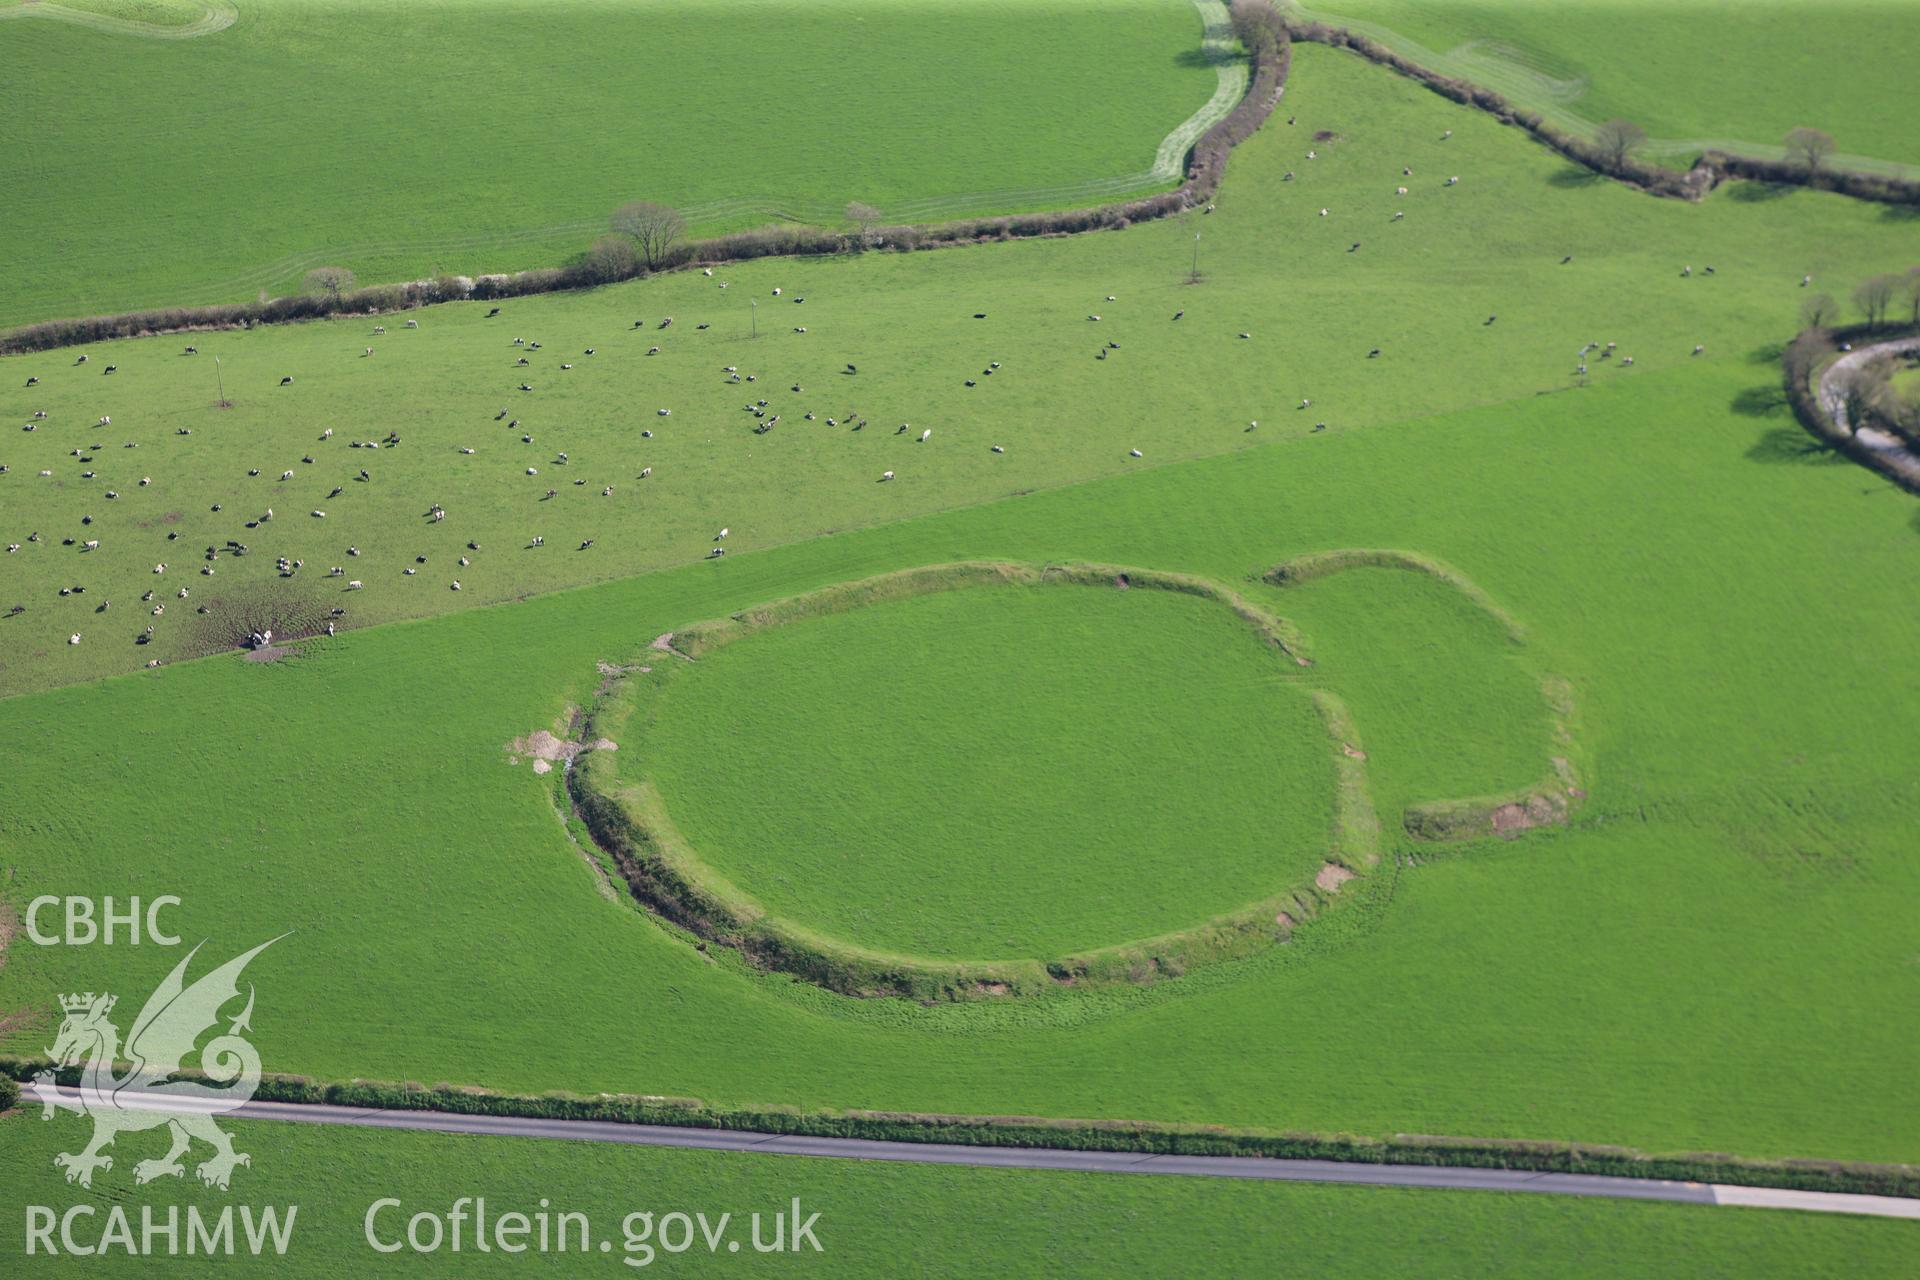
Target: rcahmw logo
148	1095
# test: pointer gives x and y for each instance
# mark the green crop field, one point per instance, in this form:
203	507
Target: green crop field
888	1219
1468	475
1694	74
300	135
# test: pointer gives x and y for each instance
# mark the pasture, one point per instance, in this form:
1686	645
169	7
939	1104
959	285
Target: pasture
1716	940
881	1220
1694	74
528	123
1420	289
997	772
1750	803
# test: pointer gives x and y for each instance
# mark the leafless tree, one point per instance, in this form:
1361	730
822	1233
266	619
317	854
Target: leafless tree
866	220
330	282
654	228
1809	148
1818	311
1618	139
1874	296
1913	292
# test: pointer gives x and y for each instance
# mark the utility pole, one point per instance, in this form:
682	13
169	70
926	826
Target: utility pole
1195	277
221	381
755	304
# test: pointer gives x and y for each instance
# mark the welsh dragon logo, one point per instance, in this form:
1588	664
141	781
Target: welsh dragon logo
147	1096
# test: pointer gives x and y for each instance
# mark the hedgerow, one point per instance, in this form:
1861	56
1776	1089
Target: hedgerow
1147	1137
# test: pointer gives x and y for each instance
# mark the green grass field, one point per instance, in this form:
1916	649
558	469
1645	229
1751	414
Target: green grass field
1700	73
883	1220
1718	939
1716	952
1173	390
999	772
528	123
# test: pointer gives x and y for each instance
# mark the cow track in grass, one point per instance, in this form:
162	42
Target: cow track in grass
802	884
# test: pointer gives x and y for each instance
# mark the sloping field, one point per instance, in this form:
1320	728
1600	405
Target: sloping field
1694	74
1714	952
1420	289
506	140
1737	878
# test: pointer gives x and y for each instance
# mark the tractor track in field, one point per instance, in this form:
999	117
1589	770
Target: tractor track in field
1217	45
1260	1168
218	17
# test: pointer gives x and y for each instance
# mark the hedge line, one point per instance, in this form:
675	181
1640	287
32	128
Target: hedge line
1855	1177
1206	166
1649	177
1709	171
1881	187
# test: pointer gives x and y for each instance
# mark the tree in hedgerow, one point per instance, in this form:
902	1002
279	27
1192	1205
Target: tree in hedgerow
1809	148
1258	25
654	229
1874	296
1913	293
1618	139
1818	311
612	257
866	220
329	282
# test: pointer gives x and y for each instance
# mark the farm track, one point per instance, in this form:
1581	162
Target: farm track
1524	77
217	18
1433	1177
1887	451
1217	44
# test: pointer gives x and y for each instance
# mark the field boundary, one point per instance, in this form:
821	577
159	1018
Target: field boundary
1517	73
1217	43
628	820
1206	165
1711	169
1205	168
1062	1134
